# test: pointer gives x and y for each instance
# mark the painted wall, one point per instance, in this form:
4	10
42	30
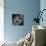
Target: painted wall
43	6
1	20
26	7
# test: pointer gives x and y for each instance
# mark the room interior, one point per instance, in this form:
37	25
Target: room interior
17	25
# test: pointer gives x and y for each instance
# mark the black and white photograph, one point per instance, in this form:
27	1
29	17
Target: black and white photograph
18	19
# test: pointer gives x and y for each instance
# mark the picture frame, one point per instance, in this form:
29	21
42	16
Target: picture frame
17	19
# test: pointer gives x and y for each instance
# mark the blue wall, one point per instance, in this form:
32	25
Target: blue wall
26	7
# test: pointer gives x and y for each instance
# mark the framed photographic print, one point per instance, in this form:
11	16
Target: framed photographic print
18	19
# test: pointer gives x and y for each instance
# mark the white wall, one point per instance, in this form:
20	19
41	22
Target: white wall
1	20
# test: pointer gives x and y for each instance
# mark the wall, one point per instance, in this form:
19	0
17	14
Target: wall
26	7
1	20
43	6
